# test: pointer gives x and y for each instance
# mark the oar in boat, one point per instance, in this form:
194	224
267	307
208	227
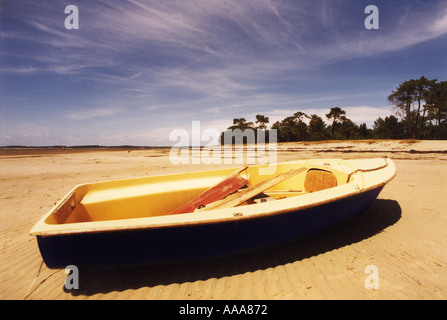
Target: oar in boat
230	184
236	199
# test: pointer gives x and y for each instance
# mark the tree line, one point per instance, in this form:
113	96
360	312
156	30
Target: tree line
420	112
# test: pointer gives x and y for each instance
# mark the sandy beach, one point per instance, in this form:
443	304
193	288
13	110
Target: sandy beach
403	234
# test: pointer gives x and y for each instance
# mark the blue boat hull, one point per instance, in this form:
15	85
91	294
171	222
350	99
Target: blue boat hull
197	241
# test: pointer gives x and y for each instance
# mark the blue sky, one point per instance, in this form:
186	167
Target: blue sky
136	70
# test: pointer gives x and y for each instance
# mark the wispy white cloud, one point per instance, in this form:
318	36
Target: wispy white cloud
93	113
439	26
19	70
252	39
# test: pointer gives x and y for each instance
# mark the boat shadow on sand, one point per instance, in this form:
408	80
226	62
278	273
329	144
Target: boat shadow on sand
381	215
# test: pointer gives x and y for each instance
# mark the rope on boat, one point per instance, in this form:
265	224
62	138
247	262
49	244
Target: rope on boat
367	170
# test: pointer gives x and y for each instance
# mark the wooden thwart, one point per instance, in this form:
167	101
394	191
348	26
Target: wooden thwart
65	208
219	191
236	199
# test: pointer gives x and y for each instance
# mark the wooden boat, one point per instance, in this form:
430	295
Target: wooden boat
221	211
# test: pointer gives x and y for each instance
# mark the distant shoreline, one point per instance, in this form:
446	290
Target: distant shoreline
126	147
326	146
26	150
82	147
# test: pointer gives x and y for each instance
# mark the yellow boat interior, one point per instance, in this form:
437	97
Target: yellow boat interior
159	195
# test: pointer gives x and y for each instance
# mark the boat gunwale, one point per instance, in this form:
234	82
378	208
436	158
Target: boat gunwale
217	216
